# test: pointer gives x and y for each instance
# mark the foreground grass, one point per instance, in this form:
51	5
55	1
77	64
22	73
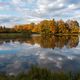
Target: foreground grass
36	73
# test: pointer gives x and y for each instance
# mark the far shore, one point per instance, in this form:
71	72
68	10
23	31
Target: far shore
37	34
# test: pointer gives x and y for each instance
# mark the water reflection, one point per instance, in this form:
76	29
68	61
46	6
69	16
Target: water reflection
56	53
57	41
47	42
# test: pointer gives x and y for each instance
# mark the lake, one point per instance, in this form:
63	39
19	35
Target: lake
56	53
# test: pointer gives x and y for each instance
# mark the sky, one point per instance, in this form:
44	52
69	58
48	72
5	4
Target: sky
14	12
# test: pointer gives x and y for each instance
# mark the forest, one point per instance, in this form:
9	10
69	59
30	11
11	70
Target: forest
45	27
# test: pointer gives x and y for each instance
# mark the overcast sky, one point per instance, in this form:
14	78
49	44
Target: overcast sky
25	11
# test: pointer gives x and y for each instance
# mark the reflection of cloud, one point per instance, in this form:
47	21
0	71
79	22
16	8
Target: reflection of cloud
42	56
4	48
28	54
8	46
70	57
13	45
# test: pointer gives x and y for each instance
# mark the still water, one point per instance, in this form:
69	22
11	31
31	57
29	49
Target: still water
57	53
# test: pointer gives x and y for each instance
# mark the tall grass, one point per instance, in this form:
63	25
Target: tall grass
36	73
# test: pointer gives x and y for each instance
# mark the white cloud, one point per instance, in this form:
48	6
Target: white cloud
16	1
1	8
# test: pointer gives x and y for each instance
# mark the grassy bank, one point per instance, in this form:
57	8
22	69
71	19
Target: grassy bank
14	35
36	73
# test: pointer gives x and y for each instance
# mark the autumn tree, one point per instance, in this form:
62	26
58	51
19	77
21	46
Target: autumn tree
73	26
45	28
52	26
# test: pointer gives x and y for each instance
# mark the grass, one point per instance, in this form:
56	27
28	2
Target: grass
13	35
36	73
27	35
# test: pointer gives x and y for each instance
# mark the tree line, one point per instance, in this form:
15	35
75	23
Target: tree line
46	27
51	26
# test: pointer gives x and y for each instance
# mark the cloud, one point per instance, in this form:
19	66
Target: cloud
26	11
56	8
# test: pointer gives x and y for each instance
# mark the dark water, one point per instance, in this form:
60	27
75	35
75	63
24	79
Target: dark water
57	53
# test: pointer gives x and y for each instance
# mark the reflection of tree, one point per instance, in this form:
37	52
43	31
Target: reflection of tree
73	41
47	42
61	41
56	41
